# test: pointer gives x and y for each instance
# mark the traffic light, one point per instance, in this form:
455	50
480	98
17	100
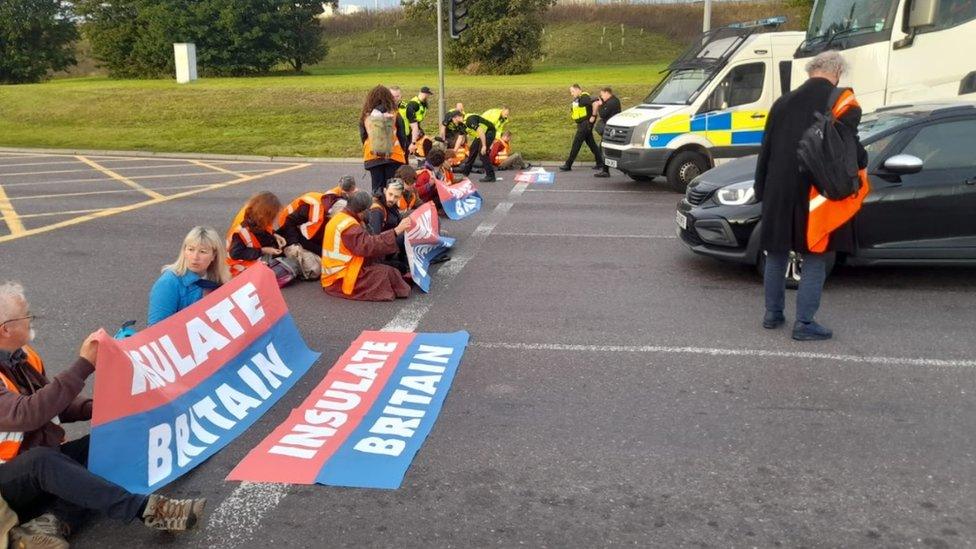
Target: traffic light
457	17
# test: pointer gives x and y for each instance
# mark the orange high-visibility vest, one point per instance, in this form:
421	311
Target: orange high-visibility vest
237	227
826	216
316	217
10	441
460	155
503	153
338	263
397	153
407	203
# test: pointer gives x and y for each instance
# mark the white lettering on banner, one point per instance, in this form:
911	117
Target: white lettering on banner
329	412
463	206
159	362
187	438
391	422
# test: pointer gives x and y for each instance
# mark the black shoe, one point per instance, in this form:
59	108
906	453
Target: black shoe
773	320
604	173
810	331
488	179
565	168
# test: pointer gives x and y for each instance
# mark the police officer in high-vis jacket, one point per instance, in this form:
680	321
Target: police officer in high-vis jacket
413	113
584	117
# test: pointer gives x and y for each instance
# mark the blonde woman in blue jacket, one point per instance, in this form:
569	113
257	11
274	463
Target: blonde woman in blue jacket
200	268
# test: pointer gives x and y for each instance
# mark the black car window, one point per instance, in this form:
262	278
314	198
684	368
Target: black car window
743	85
945	146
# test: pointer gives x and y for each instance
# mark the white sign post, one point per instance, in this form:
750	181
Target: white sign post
186	62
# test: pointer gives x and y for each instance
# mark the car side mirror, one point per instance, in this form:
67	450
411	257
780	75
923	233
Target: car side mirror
903	164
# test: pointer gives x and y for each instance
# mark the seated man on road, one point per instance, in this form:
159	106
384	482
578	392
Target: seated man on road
409	200
251	236
349	269
303	221
435	169
503	158
384	215
45	482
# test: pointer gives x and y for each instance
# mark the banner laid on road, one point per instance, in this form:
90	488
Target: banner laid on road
363	425
536	175
423	244
460	200
174	394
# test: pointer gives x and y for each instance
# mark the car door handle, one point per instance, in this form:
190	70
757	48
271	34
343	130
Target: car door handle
759	115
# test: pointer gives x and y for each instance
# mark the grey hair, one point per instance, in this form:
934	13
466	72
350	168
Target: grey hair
9	291
359	201
395	183
828	62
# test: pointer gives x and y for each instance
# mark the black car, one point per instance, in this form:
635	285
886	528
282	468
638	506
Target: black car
921	209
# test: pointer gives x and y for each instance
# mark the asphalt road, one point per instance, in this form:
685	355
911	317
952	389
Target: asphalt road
617	389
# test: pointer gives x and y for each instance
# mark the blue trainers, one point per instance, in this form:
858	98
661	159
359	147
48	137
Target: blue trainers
773	320
810	331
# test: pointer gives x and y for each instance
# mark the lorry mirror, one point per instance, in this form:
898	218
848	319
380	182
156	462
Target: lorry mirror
903	164
921	13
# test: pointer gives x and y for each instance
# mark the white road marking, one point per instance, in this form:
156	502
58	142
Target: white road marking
234	522
714	351
580	235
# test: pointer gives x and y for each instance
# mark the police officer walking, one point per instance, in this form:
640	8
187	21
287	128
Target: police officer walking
582	113
609	107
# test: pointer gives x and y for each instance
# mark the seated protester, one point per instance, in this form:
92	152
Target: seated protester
434	170
251	236
349	254
384	215
303	221
200	268
503	158
42	478
409	200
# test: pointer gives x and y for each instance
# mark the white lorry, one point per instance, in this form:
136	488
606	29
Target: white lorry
712	104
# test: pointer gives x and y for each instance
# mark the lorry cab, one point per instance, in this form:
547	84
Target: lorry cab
711	105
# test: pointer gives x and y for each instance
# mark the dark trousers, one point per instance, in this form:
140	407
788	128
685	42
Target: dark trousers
813	275
584	134
380	174
57	481
474	153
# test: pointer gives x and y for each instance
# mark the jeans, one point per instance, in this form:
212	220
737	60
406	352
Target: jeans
814	273
56	480
584	134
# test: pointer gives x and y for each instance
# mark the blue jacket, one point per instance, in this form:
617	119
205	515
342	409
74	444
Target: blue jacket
172	293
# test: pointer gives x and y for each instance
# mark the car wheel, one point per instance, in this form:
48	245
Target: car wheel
794	270
685	166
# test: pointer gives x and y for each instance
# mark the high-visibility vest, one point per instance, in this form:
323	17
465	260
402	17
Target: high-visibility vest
420	112
502	153
338	263
316	217
424	144
237	266
495	117
10	441
460	155
826	215
397	153
402	109
579	112
408	201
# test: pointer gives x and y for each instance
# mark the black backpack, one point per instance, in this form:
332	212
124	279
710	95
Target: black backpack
828	154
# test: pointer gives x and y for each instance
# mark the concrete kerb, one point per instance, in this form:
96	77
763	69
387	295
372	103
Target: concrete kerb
203	156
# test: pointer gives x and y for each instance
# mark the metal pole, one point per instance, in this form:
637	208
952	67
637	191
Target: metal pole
441	100
707	19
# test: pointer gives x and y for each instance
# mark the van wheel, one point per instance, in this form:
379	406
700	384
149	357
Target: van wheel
685	166
794	270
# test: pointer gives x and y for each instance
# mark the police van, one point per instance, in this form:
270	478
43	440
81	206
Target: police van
711	105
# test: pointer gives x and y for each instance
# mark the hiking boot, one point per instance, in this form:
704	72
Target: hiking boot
45	532
604	173
487	179
810	331
773	320
163	513
565	168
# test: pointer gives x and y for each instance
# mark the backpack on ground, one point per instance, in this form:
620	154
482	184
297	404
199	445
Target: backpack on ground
285	269
827	153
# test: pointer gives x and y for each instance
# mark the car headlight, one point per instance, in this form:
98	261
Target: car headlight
736	195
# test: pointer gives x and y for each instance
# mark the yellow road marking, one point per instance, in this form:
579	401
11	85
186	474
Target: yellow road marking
115	191
45	163
69	212
112	211
218	168
49	172
10	214
148	192
102	180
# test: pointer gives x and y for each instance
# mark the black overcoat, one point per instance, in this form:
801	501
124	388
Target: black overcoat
784	192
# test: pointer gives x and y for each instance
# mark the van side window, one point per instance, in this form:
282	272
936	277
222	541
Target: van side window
743	85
